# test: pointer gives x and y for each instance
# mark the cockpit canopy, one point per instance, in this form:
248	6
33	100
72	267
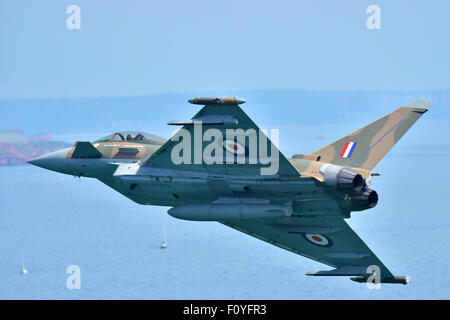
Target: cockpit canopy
132	136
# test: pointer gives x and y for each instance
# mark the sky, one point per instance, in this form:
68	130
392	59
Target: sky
128	48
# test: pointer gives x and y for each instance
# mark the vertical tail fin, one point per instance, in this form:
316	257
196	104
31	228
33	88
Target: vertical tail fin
365	147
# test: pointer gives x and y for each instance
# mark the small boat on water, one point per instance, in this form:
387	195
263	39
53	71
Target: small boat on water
164	243
23	271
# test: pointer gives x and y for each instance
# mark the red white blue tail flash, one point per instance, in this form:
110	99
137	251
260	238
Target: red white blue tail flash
348	149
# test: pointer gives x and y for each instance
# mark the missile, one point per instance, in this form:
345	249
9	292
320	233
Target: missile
216	100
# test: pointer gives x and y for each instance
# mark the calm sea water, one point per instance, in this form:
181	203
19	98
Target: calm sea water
59	221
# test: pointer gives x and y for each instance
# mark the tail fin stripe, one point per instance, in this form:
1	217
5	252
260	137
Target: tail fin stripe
344	149
351	150
348	149
396	125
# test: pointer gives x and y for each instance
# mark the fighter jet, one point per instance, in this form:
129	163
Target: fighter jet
219	166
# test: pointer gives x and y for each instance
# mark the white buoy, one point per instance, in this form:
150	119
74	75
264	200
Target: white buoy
164	243
23	271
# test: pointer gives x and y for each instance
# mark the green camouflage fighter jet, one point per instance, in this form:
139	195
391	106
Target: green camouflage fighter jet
221	167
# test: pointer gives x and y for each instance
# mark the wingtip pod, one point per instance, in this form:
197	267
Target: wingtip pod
397	279
421	105
216	100
359	274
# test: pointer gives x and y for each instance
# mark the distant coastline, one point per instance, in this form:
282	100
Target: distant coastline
16	148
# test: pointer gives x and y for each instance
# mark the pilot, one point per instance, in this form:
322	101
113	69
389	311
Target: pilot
139	136
130	137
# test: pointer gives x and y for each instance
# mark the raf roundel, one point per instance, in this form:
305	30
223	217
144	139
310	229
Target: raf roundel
233	147
318	239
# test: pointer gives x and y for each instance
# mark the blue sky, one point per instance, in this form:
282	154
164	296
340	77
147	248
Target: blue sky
147	47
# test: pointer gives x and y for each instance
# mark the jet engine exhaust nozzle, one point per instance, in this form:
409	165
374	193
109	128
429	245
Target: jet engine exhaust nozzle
349	179
366	199
341	178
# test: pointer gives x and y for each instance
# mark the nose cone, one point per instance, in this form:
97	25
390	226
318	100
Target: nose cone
54	161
